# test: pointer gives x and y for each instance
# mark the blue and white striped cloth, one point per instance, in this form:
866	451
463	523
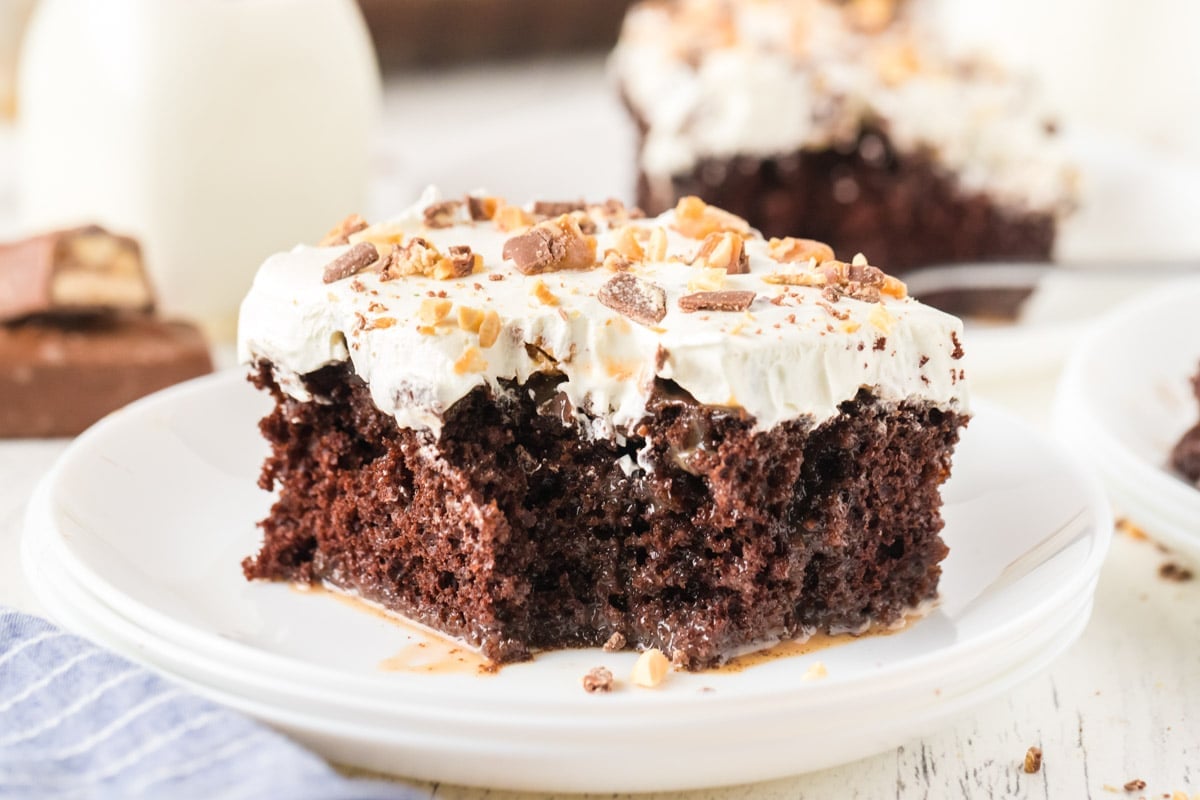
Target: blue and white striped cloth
78	722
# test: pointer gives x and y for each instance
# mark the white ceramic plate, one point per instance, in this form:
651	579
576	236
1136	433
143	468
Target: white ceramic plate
147	516
1125	400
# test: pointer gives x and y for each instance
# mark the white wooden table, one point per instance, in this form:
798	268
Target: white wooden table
1122	704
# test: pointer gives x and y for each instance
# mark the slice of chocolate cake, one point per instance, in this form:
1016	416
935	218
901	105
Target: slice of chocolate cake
538	427
1186	455
847	119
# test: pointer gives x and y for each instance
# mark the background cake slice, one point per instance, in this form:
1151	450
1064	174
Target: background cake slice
847	119
537	427
1185	456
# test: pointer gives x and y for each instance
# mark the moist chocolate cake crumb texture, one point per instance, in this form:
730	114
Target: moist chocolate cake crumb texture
901	208
1186	455
515	533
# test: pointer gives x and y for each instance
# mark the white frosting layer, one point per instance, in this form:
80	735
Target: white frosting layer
720	78
777	361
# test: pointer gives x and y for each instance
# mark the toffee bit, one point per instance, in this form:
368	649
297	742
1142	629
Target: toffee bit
716	301
598	679
495	276
1135	785
791	250
353	261
340	234
639	300
1033	760
615	642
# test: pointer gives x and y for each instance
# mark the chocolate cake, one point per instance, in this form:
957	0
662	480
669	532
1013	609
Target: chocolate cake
1186	455
847	119
544	426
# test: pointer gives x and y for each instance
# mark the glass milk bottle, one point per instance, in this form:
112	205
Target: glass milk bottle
217	131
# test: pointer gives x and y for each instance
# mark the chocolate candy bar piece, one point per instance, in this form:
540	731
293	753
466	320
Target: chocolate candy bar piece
72	271
59	375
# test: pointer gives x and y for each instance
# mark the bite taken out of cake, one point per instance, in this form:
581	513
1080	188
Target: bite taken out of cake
536	427
851	120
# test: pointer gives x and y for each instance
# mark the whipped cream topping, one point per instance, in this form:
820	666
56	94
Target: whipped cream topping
721	78
416	341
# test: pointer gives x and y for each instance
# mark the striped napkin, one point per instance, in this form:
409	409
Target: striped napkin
79	722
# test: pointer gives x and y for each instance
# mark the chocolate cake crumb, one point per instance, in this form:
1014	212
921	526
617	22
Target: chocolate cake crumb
615	642
716	301
1171	571
1033	760
639	300
599	679
958	348
354	260
1135	785
880	343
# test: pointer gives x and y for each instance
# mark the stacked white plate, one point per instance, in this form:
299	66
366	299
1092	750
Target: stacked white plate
136	536
1124	401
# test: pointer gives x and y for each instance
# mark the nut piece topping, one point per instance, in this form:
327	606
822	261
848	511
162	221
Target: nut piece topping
351	262
469	319
543	294
616	262
650	669
716	301
627	245
723	250
1033	760
790	250
434	310
489	329
549	246
471	360
339	234
443	214
383	235
599	679
511	218
696	219
640	300
706	279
